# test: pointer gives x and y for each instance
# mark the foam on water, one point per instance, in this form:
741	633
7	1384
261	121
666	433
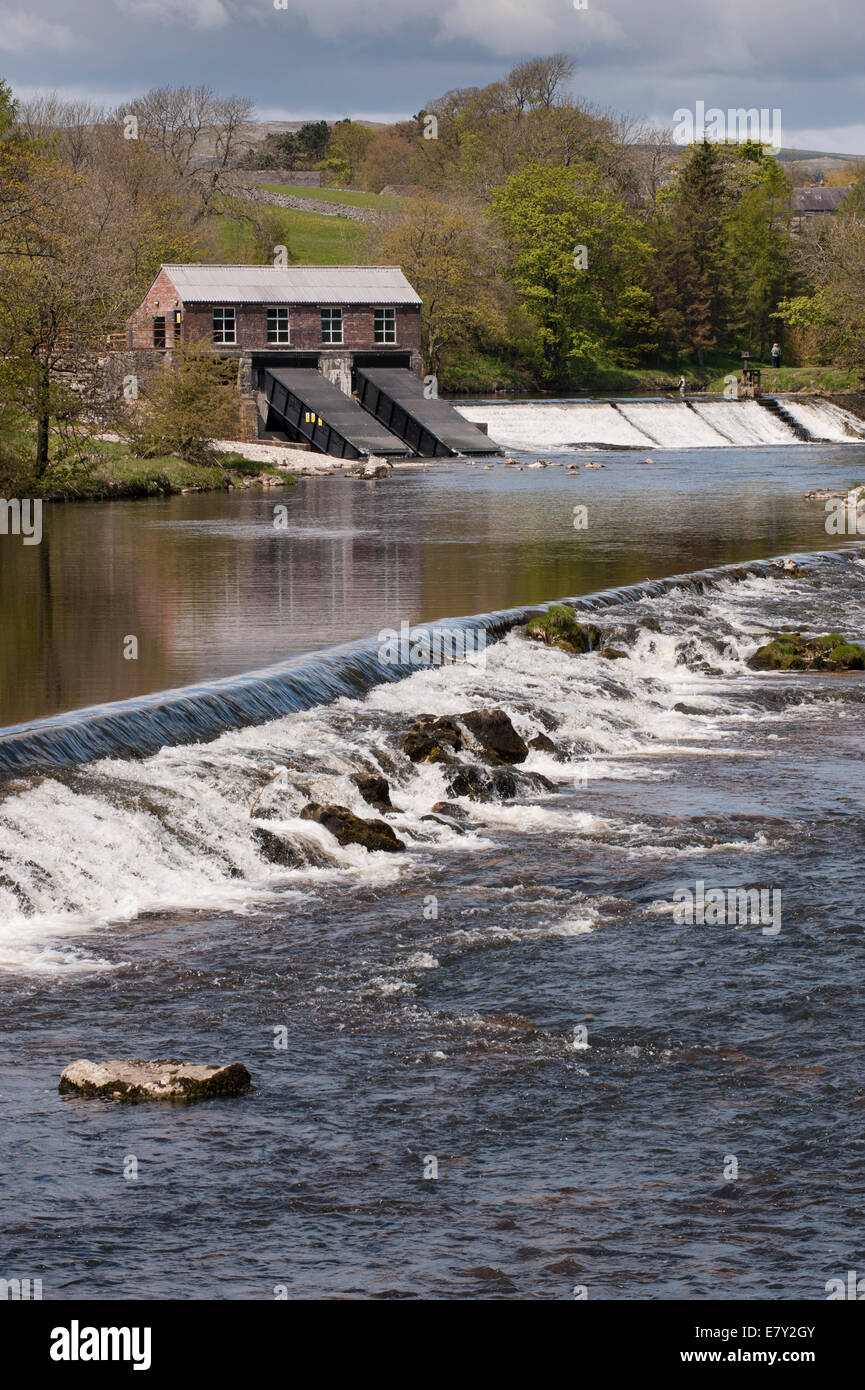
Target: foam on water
823	420
182	830
662	424
744	422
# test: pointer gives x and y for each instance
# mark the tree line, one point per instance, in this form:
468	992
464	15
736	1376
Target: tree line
545	234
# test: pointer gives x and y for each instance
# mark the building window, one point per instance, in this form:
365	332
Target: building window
385	325
159	331
331	325
277	325
223	324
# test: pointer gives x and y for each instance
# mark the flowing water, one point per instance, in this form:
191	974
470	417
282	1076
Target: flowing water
665	424
513	996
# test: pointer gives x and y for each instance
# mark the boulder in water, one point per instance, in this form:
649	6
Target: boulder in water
787	566
277	848
482	784
133	1080
450	808
558	627
432	740
790	651
374	789
613	654
349	829
543	744
493	730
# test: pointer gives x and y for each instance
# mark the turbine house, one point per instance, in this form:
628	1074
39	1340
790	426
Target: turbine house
330	355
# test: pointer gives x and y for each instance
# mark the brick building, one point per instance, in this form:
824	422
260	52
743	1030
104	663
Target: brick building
327	310
328	356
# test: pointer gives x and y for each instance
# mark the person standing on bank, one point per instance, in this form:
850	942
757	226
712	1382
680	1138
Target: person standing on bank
776	354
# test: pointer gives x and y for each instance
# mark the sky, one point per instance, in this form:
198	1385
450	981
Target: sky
386	59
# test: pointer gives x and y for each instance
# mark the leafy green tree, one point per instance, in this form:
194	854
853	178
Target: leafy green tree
756	255
444	255
578	260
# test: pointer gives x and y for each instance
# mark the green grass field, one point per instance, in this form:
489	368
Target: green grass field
310	238
351	197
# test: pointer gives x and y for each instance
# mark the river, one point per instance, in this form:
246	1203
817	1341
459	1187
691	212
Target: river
615	1102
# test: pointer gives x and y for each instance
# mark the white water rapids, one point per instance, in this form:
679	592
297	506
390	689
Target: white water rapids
663	424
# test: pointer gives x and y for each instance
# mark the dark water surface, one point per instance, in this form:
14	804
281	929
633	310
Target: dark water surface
430	999
209	587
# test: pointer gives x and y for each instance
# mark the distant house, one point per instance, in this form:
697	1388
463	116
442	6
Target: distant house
327	310
815	201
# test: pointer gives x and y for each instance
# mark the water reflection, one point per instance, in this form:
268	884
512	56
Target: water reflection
210	586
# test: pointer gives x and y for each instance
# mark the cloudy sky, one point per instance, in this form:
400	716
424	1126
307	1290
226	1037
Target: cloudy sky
386	58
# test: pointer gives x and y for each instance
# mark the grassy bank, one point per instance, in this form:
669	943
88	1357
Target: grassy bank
311	237
108	470
349	197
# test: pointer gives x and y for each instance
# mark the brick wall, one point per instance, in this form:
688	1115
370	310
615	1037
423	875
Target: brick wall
305	326
162	298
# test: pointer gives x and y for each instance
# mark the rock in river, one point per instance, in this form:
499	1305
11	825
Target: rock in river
435	740
349	829
374	789
134	1080
790	651
558	627
496	734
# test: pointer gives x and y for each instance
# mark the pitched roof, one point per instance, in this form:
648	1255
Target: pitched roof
291	284
818	198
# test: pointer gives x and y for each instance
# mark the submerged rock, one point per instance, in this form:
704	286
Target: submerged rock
558	627
349	829
790	651
496	734
374	789
134	1080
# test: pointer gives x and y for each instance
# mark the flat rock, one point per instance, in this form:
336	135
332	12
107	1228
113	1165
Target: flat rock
135	1080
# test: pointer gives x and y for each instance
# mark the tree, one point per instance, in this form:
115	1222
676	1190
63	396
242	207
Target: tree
577	258
184	406
688	265
441	251
831	259
537	82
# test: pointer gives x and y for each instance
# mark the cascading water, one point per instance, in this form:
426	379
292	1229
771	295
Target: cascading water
511	994
663	424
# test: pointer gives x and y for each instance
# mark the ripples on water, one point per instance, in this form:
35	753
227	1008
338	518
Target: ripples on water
140	919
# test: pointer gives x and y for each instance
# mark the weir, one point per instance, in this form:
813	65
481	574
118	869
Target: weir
666	424
139	727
